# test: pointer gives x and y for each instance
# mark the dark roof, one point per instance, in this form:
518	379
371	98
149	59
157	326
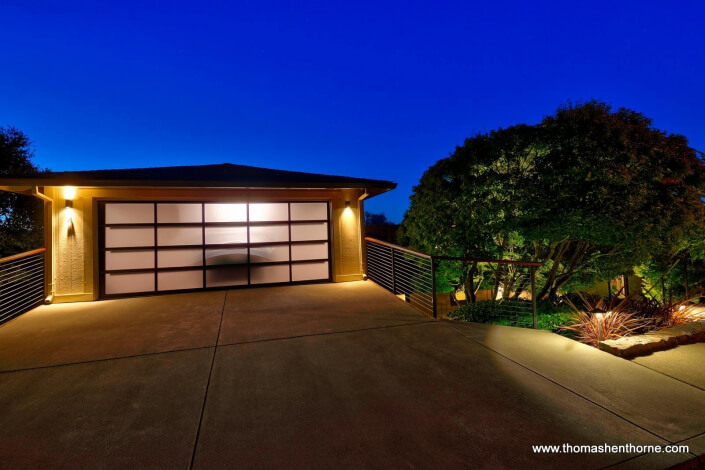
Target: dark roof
224	175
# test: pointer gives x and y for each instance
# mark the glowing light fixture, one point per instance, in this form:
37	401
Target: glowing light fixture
347	212
601	314
69	193
69	196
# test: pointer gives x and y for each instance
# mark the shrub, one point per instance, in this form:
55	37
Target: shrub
681	311
600	320
551	315
478	312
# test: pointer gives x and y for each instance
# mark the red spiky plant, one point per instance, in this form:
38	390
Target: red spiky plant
600	320
682	310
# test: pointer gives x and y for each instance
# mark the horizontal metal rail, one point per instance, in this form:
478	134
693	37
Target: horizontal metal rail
397	247
480	260
26	254
21	283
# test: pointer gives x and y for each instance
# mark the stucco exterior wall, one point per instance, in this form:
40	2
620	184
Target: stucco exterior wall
75	242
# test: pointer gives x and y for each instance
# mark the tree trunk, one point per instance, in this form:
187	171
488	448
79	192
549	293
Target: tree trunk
550	280
469	284
497	282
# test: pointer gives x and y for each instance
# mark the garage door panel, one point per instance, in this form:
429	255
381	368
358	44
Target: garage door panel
173	213
317	250
225	235
267	254
220	256
179	280
269	274
173	236
180	257
269	212
269	233
227	277
224	212
309	211
309	231
128	237
137	259
135	213
133	283
309	271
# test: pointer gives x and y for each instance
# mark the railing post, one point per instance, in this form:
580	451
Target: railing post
394	277
433	286
685	276
533	297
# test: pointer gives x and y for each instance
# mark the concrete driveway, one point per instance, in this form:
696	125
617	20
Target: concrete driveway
319	376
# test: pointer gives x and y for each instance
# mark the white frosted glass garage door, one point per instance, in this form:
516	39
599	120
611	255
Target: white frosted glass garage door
150	247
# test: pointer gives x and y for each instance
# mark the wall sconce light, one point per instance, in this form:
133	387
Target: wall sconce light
69	196
69	193
347	204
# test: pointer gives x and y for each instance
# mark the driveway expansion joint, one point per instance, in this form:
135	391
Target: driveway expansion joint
107	359
668	375
328	333
208	383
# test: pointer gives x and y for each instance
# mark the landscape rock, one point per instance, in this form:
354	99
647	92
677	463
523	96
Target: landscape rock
660	340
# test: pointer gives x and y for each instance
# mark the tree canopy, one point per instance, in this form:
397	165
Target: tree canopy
376	218
21	217
590	191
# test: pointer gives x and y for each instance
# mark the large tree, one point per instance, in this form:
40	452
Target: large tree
21	216
589	191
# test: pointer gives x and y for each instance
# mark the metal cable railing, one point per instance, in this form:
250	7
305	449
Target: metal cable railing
21	283
503	291
494	291
406	273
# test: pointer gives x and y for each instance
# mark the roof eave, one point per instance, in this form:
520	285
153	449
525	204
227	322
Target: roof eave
380	186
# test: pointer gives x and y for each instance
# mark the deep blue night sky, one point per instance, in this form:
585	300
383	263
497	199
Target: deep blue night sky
378	90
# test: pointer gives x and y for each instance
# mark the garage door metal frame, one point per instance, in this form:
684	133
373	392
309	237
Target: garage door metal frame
204	267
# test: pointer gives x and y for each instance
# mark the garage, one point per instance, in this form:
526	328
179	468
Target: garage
155	247
141	231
